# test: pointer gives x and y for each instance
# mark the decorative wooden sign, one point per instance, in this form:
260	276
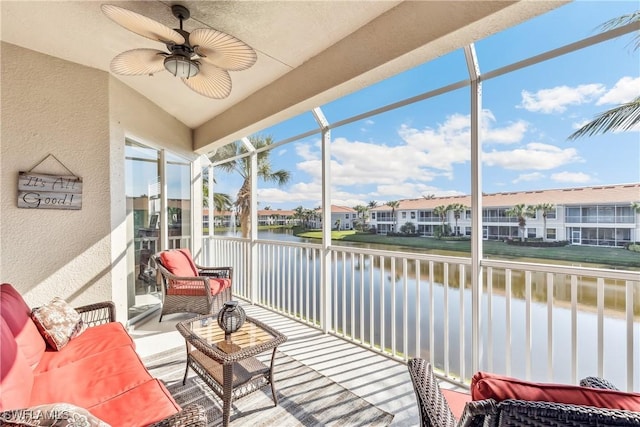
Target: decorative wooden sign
41	191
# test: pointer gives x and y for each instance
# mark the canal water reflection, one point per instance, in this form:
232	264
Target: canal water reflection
441	310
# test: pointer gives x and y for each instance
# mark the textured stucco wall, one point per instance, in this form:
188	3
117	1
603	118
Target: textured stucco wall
51	106
82	116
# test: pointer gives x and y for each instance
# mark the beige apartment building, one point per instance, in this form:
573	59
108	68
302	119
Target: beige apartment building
598	215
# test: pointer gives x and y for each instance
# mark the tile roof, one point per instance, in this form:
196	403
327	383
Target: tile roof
622	193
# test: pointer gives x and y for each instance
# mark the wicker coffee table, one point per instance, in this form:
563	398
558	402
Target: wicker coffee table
230	369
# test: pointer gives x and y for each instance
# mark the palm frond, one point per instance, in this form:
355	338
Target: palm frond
620	118
621	21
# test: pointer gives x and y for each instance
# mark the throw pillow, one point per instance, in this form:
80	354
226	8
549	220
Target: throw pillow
58	322
53	415
497	387
179	262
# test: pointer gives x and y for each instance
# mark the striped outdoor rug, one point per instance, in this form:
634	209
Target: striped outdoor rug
305	397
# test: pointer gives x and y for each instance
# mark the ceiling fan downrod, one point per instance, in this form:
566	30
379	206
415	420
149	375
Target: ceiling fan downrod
179	63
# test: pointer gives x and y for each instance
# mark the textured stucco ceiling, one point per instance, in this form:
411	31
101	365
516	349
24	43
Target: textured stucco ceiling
309	52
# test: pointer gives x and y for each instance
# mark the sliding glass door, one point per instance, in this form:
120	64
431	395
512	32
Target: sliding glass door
145	222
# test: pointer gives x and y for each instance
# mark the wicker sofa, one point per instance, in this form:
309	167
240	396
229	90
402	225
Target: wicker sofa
97	372
503	401
188	287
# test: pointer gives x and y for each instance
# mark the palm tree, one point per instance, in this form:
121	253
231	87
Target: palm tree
372	204
393	204
242	166
362	214
457	209
298	213
635	206
441	211
521	212
545	208
221	201
623	117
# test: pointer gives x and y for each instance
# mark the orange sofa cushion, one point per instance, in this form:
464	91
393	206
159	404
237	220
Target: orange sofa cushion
17	314
145	404
93	341
196	289
179	262
91	380
485	386
16	377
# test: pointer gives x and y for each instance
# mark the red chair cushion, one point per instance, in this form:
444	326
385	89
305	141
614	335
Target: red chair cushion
456	400
485	386
196	289
17	314
179	262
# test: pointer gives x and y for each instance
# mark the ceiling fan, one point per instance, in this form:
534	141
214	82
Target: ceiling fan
202	58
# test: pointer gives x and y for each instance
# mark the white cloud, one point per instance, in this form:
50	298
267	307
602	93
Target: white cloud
571	177
369	122
625	90
409	190
282	152
556	100
509	134
535	155
361	171
578	125
526	177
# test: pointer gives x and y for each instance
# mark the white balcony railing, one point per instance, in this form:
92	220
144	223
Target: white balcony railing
539	322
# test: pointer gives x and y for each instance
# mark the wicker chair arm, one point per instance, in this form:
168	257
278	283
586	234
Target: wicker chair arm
476	412
432	405
222	272
192	415
520	412
597	382
98	313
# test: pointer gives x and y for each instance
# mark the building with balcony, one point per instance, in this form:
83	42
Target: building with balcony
598	216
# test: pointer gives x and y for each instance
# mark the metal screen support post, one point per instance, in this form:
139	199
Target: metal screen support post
252	280
476	206
325	273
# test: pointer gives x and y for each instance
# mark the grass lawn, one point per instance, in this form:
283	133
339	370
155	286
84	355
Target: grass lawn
611	257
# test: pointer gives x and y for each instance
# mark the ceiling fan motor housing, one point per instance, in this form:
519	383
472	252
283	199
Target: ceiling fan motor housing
179	63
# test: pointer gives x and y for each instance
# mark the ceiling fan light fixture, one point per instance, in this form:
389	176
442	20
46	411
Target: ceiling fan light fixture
181	66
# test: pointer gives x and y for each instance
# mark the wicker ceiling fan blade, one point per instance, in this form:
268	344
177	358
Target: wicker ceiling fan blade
222	50
141	25
138	62
211	82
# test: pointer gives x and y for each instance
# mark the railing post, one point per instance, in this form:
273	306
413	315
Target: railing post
325	262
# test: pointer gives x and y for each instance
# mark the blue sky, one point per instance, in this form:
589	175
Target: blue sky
423	148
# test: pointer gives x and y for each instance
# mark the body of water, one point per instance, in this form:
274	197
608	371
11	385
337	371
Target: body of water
361	283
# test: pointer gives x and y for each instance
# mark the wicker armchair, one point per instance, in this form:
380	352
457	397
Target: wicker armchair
435	411
188	287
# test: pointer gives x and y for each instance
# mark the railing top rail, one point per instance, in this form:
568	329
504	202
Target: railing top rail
633	276
398	254
219	237
285	243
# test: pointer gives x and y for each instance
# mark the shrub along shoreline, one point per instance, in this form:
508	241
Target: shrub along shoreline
607	257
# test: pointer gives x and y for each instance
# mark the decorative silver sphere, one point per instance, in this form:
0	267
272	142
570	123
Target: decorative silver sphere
231	318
